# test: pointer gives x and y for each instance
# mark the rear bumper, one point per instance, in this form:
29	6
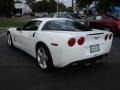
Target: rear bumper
89	59
66	62
68	56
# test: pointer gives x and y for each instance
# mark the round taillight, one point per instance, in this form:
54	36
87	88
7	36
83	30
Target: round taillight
106	37
110	37
71	42
81	40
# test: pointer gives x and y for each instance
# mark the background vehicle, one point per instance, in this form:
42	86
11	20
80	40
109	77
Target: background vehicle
59	42
18	14
106	23
69	16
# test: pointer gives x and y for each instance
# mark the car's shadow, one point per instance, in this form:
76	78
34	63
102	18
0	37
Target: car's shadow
80	67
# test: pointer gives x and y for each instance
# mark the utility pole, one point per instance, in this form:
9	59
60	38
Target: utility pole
63	6
73	5
57	6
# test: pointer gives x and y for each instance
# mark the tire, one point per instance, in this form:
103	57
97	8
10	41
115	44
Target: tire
9	40
44	59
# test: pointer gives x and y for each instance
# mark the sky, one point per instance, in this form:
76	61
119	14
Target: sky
67	2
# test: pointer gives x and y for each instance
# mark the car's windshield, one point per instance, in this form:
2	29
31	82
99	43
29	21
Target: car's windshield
65	25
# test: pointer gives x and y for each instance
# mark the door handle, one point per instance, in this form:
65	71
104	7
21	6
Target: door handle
33	34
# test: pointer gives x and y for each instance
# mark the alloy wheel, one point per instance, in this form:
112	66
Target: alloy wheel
42	58
9	40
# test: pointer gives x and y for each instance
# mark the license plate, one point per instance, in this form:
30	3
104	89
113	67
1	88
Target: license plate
94	48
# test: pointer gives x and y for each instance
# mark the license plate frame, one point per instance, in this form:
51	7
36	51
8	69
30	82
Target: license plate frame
94	48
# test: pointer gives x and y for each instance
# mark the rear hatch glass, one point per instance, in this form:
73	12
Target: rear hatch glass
65	25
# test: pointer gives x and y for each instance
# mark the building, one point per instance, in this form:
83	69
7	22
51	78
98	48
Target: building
21	7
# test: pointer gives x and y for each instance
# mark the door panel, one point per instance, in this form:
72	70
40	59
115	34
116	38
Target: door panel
18	39
25	38
28	41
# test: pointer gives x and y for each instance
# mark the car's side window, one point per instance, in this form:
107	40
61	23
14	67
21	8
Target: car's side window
31	26
98	18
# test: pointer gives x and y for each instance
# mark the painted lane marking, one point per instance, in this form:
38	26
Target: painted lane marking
1	35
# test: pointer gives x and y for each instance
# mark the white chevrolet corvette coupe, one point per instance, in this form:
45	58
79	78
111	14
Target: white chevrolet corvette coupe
58	42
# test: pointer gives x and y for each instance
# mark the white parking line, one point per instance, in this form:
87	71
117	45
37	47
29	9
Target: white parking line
1	35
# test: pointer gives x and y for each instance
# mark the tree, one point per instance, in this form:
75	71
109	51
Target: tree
69	9
41	6
61	7
83	3
30	1
6	7
103	6
52	6
47	6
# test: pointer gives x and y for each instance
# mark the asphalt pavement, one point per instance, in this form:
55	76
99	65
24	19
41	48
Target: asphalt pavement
18	71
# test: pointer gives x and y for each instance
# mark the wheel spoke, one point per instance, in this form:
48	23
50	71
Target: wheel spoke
42	58
44	64
39	53
9	40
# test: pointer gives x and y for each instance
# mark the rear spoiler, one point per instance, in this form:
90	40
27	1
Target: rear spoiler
95	34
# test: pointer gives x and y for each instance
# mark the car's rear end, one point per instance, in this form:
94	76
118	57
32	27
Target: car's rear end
84	45
116	26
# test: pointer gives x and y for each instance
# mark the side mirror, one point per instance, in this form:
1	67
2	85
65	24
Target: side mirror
19	29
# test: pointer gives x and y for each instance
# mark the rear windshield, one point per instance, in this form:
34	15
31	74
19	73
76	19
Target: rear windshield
65	25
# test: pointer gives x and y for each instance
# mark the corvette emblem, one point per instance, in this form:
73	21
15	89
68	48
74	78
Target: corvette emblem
96	37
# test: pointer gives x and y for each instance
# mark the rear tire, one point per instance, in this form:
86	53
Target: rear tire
9	40
44	59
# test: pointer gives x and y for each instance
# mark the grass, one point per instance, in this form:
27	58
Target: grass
7	24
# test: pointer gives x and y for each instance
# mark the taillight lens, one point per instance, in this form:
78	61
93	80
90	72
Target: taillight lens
81	40
106	37
110	37
71	42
